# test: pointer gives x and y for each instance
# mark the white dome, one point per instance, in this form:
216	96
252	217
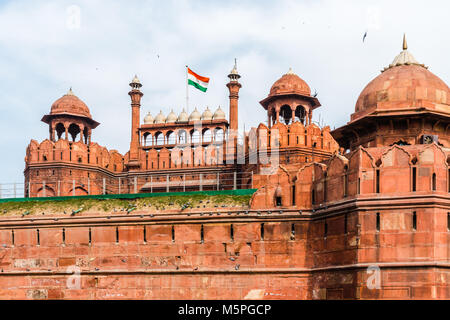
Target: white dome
404	58
207	114
148	119
219	114
183	117
195	115
160	118
171	118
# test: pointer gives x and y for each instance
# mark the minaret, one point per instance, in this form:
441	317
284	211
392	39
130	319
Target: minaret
136	96
234	87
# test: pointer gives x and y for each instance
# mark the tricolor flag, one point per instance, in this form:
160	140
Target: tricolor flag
201	83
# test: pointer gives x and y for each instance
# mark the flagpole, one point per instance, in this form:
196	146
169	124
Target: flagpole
187	91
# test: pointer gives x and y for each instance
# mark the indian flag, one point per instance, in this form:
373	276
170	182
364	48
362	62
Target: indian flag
201	83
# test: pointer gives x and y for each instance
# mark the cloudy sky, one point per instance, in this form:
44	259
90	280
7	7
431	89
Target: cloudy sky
46	47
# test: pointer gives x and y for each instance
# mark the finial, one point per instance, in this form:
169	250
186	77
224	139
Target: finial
290	71
135	83
234	75
70	92
404	58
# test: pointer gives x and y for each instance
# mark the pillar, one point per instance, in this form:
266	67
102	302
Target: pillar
66	130
136	96
52	132
293	114
81	133
234	86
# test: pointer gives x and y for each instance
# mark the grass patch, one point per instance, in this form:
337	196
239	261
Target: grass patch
172	202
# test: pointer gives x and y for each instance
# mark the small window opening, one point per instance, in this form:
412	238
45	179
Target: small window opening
378	181
434	182
202	235
262	231
293	195
278	201
448	223
345	223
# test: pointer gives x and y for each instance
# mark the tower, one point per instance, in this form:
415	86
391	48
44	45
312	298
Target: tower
406	105
234	86
136	96
290	100
70	119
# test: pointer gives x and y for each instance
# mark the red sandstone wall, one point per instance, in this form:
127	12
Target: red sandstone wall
157	268
297	258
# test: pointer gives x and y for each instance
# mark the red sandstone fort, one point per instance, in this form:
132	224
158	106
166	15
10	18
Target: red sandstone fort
329	210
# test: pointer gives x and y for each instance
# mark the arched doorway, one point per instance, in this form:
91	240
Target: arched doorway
300	114
59	130
286	114
74	130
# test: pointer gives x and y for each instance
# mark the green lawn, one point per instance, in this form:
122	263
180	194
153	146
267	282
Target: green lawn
179	202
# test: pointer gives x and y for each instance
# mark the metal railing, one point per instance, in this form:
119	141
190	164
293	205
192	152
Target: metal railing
12	190
147	183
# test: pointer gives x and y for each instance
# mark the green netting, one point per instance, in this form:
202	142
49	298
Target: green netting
240	192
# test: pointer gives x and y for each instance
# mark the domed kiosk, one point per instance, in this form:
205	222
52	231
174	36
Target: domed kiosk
400	105
70	115
290	100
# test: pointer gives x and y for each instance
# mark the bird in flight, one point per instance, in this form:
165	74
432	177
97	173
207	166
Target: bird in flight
365	35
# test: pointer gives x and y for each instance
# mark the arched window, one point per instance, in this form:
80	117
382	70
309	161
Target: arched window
171	138
148	139
59	130
182	137
218	135
159	137
300	114
207	135
74	130
195	137
286	114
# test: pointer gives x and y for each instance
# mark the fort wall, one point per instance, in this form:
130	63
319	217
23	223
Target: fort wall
234	255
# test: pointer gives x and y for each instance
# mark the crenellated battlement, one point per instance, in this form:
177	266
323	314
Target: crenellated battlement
392	170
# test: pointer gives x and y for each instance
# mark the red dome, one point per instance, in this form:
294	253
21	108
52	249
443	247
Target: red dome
290	83
71	105
403	87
